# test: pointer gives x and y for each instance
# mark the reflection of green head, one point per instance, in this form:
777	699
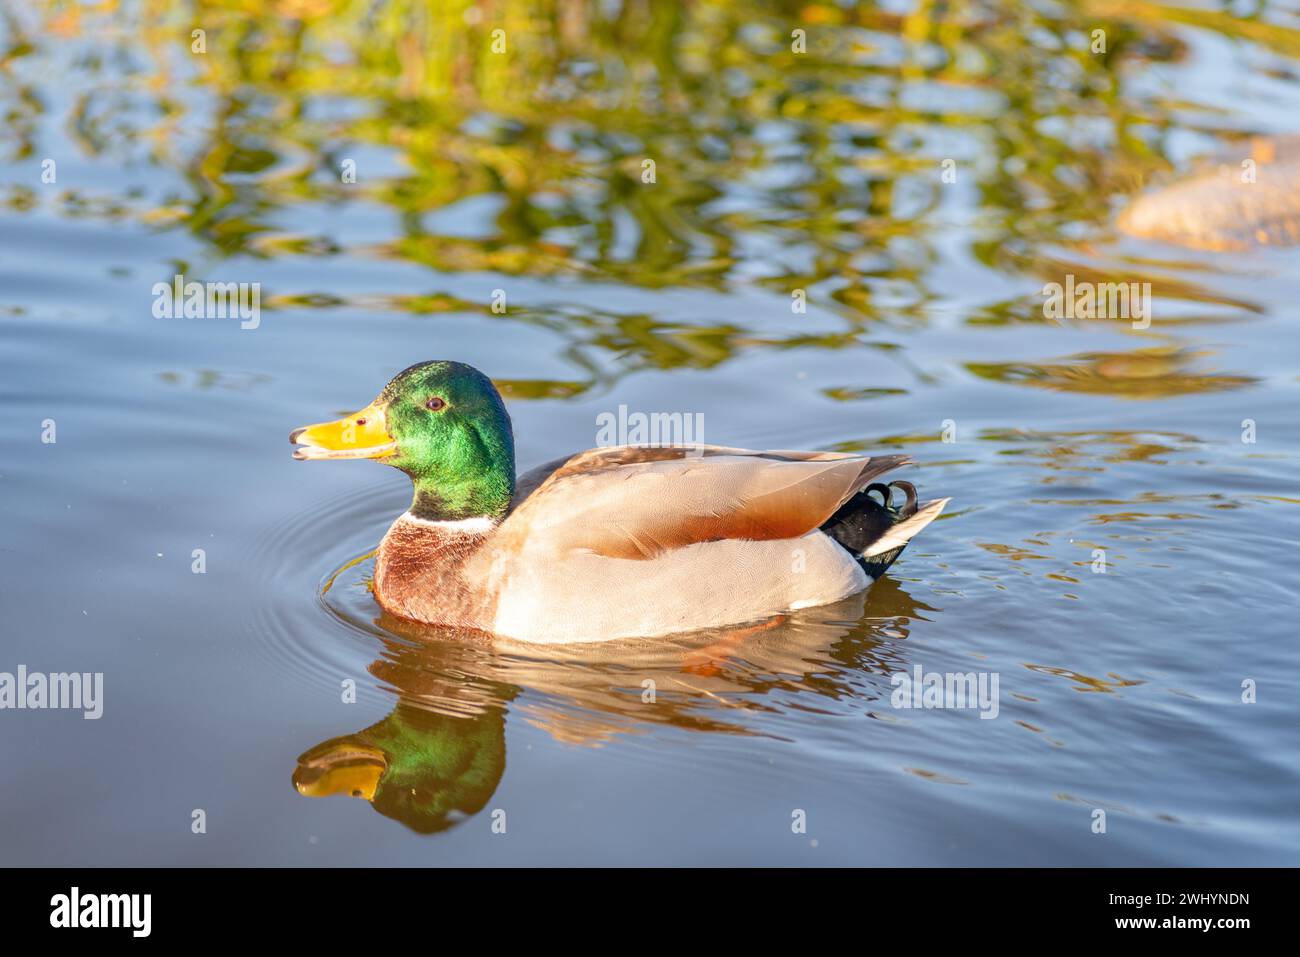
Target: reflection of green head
427	770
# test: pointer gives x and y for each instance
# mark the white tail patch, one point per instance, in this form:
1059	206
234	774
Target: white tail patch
902	533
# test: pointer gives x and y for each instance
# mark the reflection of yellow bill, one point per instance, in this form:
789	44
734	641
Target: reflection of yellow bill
362	435
340	768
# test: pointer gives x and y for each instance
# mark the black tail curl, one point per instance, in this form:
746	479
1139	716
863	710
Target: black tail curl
862	521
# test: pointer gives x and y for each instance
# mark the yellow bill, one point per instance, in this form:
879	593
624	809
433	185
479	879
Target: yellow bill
340	767
362	435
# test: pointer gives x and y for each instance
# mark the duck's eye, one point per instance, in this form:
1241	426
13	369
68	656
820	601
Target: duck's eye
435	404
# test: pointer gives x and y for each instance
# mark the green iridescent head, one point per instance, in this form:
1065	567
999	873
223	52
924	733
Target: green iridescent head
444	425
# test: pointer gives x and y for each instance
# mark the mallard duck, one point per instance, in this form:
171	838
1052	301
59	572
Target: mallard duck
613	542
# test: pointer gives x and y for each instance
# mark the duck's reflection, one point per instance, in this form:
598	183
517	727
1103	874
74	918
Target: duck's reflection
425	769
439	756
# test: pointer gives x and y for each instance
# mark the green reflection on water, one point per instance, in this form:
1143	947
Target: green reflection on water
818	171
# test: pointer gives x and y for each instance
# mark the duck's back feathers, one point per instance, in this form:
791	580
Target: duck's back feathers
630	541
637	503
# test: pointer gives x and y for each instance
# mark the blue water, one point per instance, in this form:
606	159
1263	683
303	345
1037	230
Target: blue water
1120	691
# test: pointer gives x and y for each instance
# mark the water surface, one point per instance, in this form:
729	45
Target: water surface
775	172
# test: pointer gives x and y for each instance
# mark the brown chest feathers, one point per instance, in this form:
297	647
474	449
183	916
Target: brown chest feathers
420	573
